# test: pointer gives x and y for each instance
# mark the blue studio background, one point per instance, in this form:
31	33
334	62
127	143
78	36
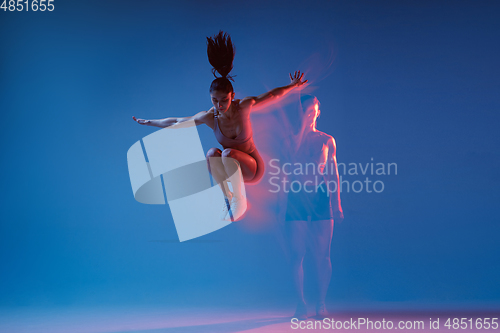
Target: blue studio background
412	83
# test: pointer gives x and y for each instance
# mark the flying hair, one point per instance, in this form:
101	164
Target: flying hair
220	51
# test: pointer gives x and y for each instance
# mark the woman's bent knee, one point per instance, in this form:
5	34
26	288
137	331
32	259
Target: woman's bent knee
228	152
214	152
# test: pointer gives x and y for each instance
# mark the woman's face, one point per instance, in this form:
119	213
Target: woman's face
221	100
312	112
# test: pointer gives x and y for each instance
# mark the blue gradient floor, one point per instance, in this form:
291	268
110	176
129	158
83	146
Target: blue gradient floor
205	319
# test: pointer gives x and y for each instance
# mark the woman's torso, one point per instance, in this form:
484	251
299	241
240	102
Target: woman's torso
236	133
311	157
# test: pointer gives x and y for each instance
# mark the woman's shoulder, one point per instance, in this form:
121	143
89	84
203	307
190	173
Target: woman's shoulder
242	106
241	103
205	116
210	112
323	137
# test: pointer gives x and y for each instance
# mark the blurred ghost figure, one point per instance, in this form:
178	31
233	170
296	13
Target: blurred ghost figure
313	201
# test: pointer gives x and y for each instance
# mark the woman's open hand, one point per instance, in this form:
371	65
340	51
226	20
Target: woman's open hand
297	79
142	121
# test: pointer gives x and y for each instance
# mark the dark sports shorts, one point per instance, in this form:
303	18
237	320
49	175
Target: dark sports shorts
302	204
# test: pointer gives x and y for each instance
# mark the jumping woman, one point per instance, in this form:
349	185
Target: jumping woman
230	120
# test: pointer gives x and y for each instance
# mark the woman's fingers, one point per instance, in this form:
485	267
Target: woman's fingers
140	121
297	76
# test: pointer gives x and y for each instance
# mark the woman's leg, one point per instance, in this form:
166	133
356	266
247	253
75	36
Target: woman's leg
321	236
216	168
297	237
231	159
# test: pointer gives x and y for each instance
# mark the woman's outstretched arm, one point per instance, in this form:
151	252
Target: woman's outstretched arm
159	122
177	122
338	214
274	94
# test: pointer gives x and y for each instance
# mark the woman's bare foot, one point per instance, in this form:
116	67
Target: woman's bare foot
238	208
321	310
225	208
301	311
